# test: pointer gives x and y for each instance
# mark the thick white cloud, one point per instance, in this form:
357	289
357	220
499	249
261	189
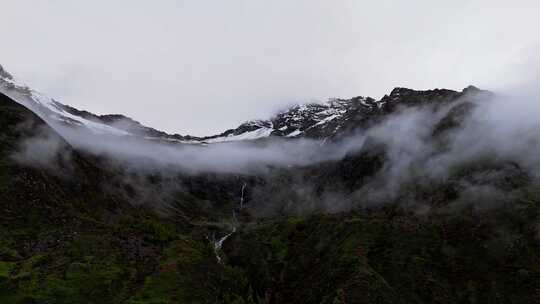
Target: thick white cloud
202	66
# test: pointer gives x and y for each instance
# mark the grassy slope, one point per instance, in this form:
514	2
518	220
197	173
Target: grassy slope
63	240
390	257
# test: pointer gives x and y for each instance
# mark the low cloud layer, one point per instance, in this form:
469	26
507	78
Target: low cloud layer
489	148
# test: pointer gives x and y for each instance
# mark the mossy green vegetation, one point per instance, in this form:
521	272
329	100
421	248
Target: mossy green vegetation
393	257
190	273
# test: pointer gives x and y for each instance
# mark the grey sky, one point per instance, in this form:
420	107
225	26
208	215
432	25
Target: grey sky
199	67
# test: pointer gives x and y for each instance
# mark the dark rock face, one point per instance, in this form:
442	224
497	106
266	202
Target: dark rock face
412	97
454	118
5	74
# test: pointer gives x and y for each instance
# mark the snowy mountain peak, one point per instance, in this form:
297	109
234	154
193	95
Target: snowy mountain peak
259	123
49	109
332	118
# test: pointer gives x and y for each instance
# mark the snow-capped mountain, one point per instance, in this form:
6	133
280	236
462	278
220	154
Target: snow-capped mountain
309	120
322	121
48	108
314	120
336	117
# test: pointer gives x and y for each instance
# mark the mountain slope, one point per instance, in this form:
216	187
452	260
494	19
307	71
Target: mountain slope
85	228
68	235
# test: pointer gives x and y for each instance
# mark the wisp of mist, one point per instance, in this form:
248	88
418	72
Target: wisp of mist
503	127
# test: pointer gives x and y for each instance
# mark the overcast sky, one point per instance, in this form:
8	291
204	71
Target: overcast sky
199	67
